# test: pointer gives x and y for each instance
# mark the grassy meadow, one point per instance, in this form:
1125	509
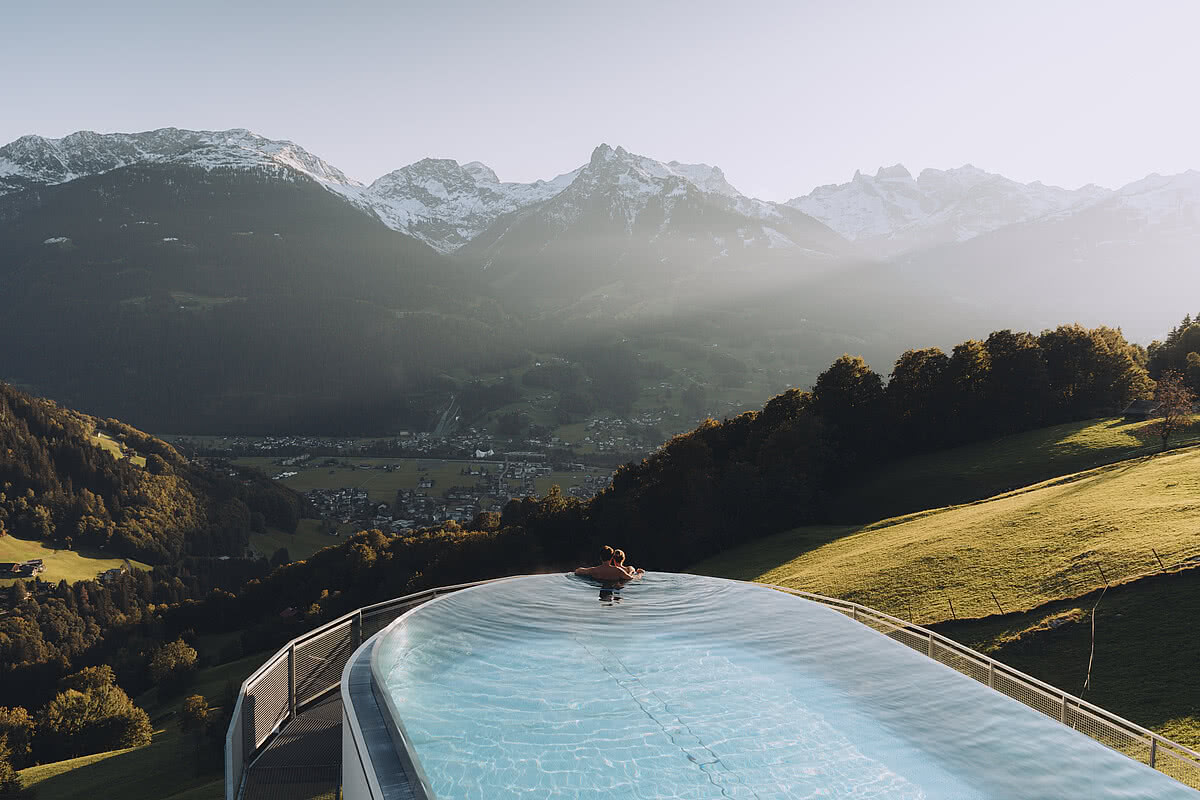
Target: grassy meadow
1016	551
80	564
307	539
985	469
106	442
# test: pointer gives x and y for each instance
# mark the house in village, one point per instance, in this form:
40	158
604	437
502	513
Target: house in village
110	575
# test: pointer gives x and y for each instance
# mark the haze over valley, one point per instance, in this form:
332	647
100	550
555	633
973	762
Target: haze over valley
281	295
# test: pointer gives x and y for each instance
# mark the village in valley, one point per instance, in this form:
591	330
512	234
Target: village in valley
418	479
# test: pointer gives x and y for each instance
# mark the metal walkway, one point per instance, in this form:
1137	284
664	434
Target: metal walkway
304	761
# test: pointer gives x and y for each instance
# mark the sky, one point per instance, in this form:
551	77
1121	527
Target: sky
783	95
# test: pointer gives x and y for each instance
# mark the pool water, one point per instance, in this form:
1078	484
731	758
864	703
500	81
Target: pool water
680	686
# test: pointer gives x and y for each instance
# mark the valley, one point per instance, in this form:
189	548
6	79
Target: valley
348	350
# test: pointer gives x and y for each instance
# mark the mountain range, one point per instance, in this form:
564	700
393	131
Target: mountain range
246	268
448	205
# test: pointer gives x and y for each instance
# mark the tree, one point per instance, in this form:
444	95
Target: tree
1174	400
172	666
849	396
17	726
10	781
194	714
1018	392
78	723
89	678
917	396
280	557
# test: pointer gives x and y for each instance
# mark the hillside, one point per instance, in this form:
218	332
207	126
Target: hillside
71	481
1053	540
984	469
1146	649
166	769
227	300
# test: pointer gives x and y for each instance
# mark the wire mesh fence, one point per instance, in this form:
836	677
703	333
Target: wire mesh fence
1140	744
300	674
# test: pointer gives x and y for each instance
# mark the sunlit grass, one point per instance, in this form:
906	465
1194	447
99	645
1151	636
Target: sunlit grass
106	442
1028	547
71	565
988	468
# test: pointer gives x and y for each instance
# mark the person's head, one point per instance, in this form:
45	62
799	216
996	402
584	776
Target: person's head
606	554
618	557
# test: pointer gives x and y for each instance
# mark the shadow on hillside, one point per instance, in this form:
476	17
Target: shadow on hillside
1145	655
163	768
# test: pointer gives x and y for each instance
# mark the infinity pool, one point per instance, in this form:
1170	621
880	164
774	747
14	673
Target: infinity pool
680	686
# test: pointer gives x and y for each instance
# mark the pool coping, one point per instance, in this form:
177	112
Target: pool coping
362	686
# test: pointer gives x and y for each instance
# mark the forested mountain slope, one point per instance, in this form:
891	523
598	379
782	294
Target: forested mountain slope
186	299
59	484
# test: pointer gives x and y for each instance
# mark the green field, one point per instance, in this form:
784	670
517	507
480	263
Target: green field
1028	547
982	470
381	486
80	564
307	540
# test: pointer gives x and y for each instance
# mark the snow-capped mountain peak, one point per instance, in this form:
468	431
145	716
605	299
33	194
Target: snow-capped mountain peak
1162	199
481	172
446	204
37	161
891	212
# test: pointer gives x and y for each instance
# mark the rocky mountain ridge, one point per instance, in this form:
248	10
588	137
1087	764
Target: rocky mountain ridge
449	205
892	212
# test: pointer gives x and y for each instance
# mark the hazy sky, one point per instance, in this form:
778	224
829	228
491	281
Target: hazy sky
783	95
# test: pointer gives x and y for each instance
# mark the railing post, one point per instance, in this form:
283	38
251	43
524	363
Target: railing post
1153	750
1063	717
356	629
930	653
292	680
991	675
854	613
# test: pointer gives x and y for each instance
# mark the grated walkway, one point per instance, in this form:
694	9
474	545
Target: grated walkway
304	761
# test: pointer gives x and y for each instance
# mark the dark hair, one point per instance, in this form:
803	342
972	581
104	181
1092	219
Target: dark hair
619	557
606	554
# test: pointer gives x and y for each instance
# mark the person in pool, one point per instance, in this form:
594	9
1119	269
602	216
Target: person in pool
611	567
618	561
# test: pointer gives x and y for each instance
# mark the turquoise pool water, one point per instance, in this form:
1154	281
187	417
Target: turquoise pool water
679	686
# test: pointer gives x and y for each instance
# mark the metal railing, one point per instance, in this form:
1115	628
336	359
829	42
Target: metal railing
305	670
308	668
1118	733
